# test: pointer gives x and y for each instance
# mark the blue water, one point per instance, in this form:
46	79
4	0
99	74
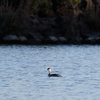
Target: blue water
23	74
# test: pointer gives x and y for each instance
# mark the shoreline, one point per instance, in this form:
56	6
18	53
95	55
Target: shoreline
52	30
52	40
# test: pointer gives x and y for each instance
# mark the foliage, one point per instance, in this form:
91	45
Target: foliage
14	12
93	22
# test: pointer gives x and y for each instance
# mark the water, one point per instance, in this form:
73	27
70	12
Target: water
23	74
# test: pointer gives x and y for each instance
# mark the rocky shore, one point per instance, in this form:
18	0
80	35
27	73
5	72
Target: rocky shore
52	30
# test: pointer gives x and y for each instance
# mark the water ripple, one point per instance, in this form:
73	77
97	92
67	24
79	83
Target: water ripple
23	72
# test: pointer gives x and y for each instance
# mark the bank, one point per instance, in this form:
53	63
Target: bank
52	30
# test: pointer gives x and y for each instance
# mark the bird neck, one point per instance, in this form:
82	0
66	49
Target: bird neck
49	72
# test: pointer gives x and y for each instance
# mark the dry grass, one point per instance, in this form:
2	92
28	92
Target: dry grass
16	19
93	22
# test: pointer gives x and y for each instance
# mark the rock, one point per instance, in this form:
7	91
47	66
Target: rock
90	40
36	36
10	38
62	39
37	39
78	40
98	40
90	34
53	38
50	39
23	39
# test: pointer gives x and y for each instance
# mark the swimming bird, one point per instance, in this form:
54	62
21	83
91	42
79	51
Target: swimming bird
52	75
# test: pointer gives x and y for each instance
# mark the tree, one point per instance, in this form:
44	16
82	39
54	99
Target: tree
95	3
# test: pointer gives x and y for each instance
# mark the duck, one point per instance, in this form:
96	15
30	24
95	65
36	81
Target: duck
52	75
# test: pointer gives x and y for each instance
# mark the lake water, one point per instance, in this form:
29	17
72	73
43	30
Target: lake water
23	74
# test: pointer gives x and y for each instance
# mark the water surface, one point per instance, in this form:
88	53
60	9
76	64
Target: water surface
23	74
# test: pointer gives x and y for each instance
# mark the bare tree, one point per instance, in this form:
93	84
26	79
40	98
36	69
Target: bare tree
95	2
82	5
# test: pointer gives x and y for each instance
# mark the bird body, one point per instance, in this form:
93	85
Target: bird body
52	75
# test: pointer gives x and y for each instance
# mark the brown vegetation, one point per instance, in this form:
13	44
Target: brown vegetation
16	16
